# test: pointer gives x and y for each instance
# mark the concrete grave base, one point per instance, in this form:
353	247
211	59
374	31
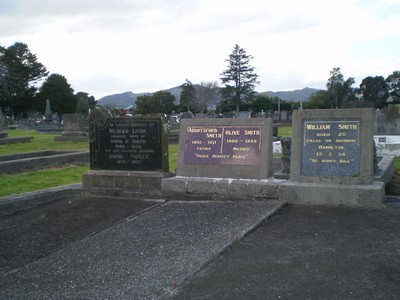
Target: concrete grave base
220	188
365	196
16	140
71	138
119	182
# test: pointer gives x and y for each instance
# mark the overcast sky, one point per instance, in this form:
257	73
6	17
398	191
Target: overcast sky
105	47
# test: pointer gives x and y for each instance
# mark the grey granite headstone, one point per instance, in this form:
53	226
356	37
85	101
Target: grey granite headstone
73	128
333	146
332	159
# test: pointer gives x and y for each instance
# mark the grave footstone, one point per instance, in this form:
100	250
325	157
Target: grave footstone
128	155
332	160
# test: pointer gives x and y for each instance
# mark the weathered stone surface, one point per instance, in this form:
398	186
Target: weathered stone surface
286	153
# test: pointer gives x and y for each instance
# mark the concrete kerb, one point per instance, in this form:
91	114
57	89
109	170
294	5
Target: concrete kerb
193	188
17	164
12	204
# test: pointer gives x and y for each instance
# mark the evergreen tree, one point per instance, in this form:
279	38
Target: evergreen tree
19	72
239	78
187	96
375	89
59	92
393	82
160	102
339	89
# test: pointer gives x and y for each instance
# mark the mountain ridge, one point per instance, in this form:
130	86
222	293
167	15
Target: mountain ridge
128	98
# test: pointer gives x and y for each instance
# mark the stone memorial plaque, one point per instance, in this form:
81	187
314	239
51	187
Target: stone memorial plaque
225	148
223	145
128	144
331	148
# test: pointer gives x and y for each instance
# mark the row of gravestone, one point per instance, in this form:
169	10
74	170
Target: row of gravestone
331	153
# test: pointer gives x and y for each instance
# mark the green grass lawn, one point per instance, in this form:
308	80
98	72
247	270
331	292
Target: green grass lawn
285	131
42	179
40	142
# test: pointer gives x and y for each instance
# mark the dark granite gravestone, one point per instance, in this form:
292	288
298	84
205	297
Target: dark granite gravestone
134	144
331	148
332	159
128	155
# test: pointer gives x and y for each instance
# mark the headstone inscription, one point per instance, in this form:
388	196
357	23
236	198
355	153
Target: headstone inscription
226	148
333	146
130	143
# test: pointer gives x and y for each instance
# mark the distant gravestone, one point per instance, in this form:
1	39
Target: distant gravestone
73	128
129	153
332	159
2	134
223	158
48	115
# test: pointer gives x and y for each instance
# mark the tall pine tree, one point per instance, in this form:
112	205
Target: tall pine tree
239	78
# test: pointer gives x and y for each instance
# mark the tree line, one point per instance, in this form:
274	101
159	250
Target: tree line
377	90
238	92
25	85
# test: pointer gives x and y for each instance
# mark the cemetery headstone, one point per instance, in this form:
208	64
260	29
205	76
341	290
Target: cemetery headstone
224	158
130	143
73	128
128	153
226	148
332	160
48	115
2	134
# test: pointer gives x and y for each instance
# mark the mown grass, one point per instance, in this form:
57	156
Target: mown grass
11	184
285	131
40	179
40	142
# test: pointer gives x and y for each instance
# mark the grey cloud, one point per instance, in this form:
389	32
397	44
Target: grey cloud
27	16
